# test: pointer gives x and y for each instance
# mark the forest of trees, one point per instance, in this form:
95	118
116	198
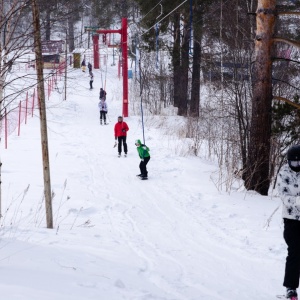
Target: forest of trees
230	68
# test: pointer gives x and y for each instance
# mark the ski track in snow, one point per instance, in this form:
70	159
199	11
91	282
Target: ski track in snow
172	236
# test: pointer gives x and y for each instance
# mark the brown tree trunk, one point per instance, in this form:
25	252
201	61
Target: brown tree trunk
195	91
184	74
42	108
257	177
71	34
48	25
176	58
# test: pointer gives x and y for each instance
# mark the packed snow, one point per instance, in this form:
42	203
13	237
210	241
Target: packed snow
176	236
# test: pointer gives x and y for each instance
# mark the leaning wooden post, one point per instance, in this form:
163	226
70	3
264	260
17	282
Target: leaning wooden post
42	109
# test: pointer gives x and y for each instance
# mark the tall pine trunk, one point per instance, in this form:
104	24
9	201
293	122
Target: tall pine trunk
48	25
176	58
257	176
197	33
184	72
195	92
71	38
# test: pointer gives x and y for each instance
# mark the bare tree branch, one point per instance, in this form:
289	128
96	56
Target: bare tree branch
296	13
290	42
287	101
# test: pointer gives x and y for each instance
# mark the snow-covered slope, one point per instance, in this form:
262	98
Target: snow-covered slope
173	237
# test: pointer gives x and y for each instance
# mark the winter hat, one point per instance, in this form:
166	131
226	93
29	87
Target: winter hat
293	156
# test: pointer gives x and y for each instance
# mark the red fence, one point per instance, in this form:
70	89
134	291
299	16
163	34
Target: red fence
13	119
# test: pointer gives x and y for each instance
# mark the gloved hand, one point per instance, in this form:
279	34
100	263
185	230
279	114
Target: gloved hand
142	159
123	130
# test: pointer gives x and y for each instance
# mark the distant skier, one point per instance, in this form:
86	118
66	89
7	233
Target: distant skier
91	80
103	110
83	65
90	67
121	129
144	155
288	183
102	94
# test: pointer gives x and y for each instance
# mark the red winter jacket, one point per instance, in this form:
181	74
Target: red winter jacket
121	129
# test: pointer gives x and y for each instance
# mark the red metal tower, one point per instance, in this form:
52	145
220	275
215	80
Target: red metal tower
123	32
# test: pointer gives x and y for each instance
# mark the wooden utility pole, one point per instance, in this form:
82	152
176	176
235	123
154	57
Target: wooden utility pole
42	109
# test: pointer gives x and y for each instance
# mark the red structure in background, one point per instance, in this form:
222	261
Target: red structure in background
96	50
123	32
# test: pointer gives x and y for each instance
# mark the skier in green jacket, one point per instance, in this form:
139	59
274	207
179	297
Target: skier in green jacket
144	155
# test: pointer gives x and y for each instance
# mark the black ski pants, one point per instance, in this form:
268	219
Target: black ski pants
291	235
143	166
103	115
122	139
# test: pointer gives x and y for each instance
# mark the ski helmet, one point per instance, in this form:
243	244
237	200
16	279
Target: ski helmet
294	153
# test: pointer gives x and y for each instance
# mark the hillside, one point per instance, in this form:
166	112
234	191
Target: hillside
173	237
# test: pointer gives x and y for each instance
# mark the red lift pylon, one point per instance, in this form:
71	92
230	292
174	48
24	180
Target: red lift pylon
123	32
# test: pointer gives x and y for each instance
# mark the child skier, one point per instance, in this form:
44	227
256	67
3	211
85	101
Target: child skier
102	94
83	65
90	67
288	183
144	155
91	80
103	110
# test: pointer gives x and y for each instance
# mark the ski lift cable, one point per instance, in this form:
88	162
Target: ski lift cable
105	69
161	11
101	76
164	17
141	95
191	24
157	34
151	10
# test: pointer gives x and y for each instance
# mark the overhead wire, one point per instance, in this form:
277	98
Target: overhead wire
140	72
151	10
164	17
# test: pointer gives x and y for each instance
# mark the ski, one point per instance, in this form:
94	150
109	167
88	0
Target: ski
141	177
284	297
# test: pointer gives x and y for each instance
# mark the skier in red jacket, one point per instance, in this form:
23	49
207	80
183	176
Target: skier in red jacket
121	129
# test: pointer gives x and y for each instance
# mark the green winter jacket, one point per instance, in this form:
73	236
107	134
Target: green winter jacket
143	150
